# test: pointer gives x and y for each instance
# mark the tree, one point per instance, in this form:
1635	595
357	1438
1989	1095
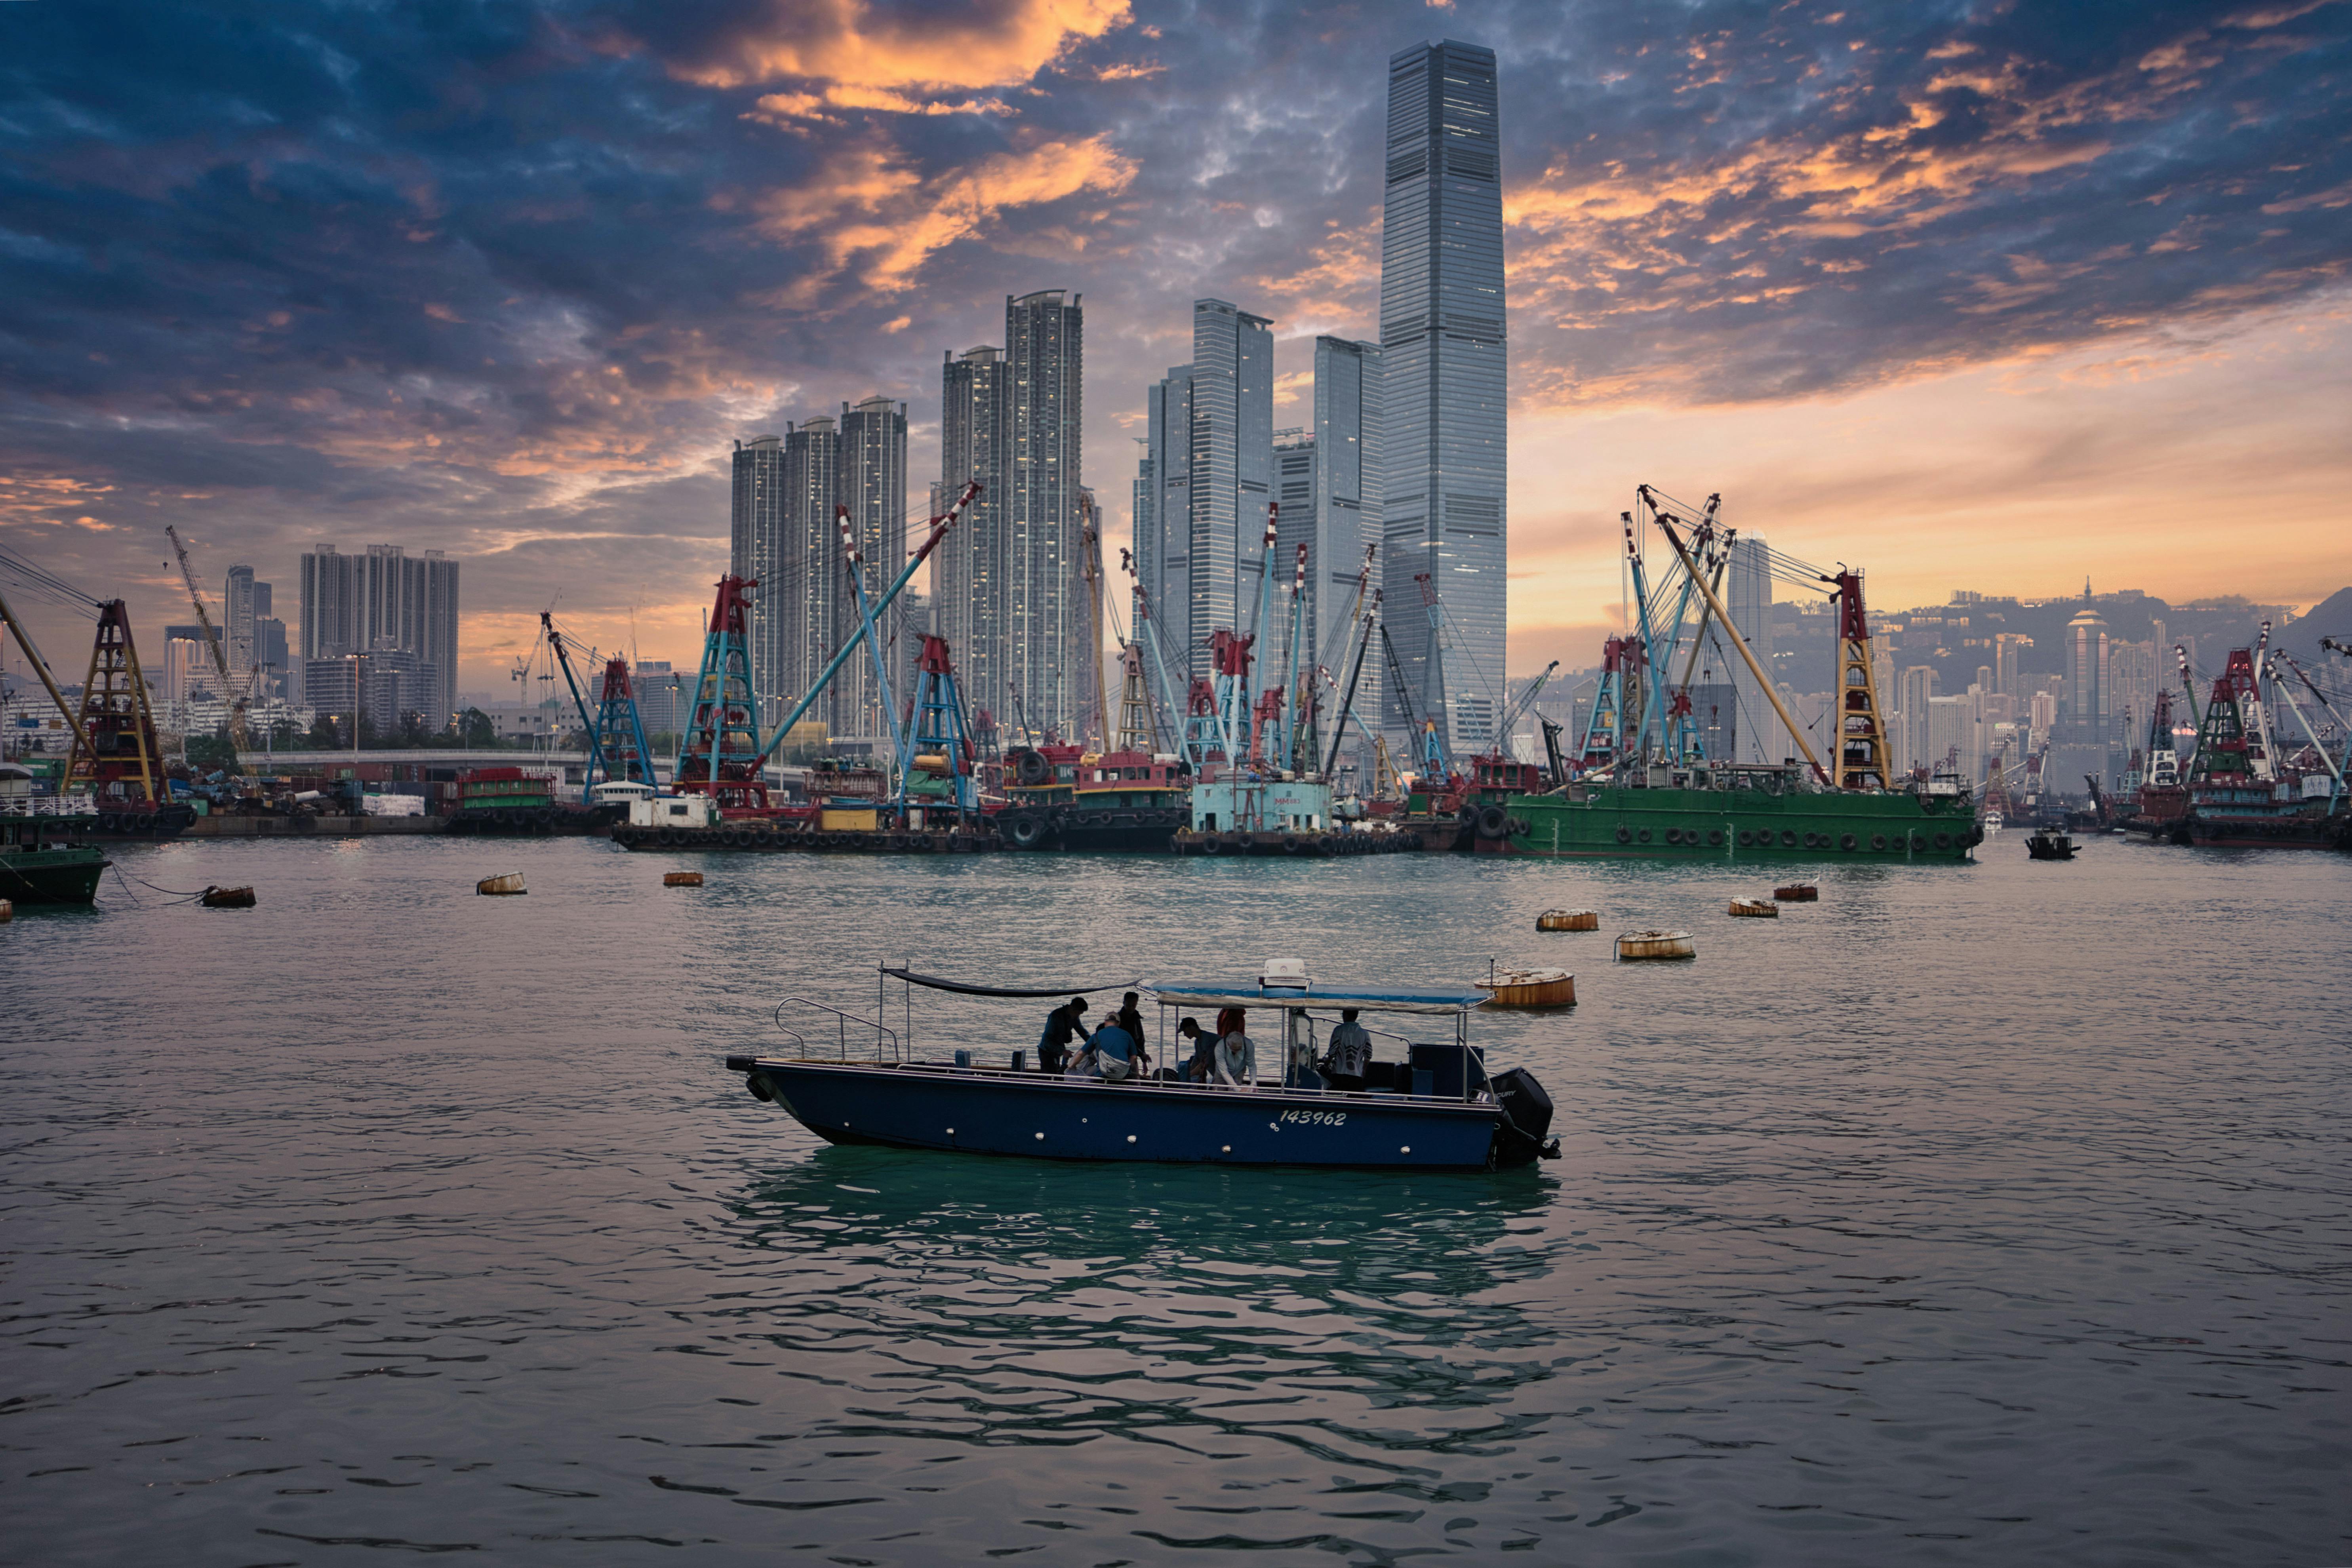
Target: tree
212	753
476	732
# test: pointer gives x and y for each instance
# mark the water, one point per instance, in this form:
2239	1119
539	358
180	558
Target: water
1985	1216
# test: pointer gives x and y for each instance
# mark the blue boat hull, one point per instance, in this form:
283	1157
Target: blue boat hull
992	1112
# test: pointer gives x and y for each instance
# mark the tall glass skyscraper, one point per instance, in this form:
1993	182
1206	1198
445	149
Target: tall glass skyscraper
1047	624
1747	594
1443	352
971	562
1009	599
1209	460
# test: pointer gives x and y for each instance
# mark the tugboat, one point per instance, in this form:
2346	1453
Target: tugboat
2049	846
1436	1108
41	861
1059	798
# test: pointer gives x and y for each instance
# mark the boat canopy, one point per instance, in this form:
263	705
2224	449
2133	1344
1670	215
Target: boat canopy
966	989
1253	994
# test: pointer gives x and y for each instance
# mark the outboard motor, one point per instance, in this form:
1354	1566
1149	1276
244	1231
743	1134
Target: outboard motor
1525	1133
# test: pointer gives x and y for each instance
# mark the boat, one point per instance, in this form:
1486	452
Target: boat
1435	1107
2048	846
1528	989
1639	944
1058	797
1755	908
2244	792
1799	893
1740	814
43	855
1992	823
508	801
1568	920
226	898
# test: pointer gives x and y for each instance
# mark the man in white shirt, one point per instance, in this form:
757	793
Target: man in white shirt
1349	1054
1238	1061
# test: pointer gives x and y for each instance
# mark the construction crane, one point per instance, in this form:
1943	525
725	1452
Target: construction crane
240	697
1518	710
1432	755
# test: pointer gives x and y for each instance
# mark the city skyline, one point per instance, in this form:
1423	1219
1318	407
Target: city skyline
1918	319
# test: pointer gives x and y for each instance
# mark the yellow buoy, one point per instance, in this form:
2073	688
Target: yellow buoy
510	883
1755	908
1568	920
682	879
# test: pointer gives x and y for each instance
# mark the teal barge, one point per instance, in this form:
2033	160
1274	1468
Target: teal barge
1740	814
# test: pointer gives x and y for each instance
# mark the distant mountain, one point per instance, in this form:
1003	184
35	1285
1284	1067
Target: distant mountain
2331	618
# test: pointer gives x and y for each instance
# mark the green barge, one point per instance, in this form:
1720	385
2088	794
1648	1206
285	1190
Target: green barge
1735	813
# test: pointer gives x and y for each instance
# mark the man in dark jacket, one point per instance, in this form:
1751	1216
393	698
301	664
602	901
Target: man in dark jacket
1130	1017
1060	1025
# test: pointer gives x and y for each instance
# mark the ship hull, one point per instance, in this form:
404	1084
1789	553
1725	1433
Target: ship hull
986	1112
60	875
1616	822
2281	832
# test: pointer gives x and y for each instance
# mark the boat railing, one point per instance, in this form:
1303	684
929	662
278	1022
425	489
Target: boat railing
47	806
842	1020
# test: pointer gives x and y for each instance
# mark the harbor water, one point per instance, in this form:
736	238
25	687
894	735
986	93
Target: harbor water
1994	1214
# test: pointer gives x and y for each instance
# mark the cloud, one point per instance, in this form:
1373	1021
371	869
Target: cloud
506	281
873	213
853	46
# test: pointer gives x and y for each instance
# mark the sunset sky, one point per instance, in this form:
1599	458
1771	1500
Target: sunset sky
1988	296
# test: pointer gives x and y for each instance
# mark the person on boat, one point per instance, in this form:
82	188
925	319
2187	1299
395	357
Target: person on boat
1114	1052
1062	1024
1202	1067
1237	1060
1349	1055
1130	1017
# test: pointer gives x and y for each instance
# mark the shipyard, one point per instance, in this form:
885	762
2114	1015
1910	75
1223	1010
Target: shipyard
1118	784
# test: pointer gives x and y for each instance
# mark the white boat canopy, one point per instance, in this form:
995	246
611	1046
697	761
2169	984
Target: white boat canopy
1253	994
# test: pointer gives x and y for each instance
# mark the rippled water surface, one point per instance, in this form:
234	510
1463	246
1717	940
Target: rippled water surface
1990	1215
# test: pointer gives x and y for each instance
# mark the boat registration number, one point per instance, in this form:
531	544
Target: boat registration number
1317	1118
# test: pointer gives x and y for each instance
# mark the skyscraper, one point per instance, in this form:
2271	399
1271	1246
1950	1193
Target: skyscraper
385	602
1348	446
801	595
1210	427
1748	596
1443	350
2086	677
1163	509
1044	355
755	529
237	613
873	488
971	562
332	618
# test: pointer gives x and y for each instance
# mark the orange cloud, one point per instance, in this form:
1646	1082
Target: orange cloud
846	43
874	212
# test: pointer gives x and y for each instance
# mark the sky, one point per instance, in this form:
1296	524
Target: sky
1989	296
